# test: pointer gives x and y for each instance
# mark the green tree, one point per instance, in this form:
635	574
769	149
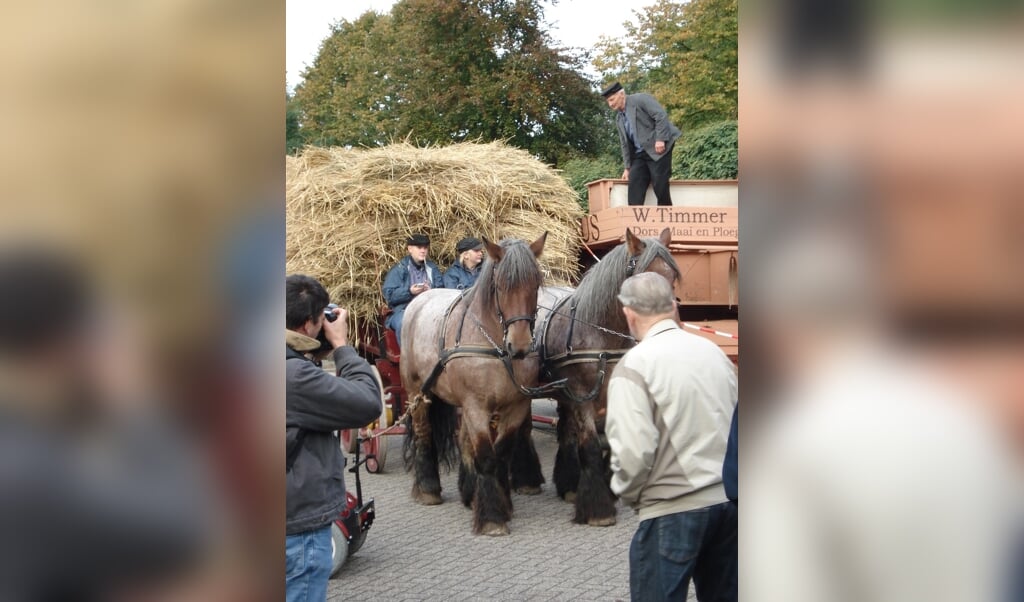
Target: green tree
440	71
346	97
708	153
293	131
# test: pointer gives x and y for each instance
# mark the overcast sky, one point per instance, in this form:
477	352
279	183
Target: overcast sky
577	23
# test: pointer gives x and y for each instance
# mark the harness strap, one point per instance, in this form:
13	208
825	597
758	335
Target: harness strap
572	324
541	334
610	356
446	355
602	369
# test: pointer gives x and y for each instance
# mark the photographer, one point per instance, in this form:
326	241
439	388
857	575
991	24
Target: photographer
317	405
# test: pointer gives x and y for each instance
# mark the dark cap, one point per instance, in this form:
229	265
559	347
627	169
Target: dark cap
468	243
612	89
418	240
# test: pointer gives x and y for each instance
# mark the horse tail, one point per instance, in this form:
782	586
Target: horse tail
444	421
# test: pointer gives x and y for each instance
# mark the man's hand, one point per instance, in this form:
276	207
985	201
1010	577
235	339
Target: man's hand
336	332
625	174
659	146
418	288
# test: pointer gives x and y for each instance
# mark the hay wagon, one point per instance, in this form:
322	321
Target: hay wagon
347	211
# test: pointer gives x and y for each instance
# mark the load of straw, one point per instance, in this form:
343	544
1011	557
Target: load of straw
350	211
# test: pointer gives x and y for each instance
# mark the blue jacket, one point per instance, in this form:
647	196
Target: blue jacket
459	277
396	288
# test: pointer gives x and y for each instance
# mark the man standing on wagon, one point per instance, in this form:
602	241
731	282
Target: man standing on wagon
646	136
412	276
670	401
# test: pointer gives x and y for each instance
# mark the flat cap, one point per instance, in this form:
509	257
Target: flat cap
468	243
418	240
612	89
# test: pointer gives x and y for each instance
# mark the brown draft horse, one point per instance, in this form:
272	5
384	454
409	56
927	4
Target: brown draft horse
581	335
472	350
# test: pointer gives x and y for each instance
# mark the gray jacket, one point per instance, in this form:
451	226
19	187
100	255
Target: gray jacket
650	123
319	403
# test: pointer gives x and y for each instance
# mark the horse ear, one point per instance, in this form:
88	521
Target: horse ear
634	245
495	252
538	245
665	237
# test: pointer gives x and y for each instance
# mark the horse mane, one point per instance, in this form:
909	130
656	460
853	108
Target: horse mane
597	295
517	270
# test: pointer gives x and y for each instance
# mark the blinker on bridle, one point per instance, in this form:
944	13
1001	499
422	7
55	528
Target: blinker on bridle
631	265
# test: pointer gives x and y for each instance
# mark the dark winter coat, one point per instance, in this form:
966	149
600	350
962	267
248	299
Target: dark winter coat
318	404
459	277
396	288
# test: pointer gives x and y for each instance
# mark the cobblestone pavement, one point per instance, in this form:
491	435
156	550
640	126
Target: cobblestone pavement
415	552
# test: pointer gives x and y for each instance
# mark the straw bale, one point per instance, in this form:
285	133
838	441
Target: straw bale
349	211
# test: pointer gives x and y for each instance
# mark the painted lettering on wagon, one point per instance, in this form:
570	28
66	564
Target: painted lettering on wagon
669	215
684	222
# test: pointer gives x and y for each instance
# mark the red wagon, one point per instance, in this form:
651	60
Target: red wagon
379	347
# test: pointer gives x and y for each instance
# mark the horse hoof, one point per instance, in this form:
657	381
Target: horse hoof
570	497
528	490
601	522
426	499
494	529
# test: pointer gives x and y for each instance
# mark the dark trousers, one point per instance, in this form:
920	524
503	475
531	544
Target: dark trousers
645	171
668	551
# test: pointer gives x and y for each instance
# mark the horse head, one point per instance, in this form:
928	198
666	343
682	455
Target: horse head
514	278
645	256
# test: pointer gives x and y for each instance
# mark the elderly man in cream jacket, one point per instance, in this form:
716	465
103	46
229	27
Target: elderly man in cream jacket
670	403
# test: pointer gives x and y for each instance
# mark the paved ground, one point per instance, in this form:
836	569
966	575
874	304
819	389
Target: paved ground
415	552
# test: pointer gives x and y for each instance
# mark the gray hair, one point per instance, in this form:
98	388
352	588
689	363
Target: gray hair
648	294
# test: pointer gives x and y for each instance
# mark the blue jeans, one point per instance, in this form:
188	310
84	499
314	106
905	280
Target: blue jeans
668	551
308	565
394	322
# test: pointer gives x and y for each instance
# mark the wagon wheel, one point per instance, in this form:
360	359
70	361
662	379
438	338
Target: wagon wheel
376	446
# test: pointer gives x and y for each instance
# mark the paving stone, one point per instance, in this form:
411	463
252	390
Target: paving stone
415	552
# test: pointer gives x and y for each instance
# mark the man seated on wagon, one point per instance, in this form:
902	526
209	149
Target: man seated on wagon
412	276
469	254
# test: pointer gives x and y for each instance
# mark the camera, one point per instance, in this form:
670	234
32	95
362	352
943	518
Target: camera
321	336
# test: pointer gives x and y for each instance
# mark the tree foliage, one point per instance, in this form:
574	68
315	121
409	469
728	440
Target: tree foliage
709	153
683	54
293	134
440	71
